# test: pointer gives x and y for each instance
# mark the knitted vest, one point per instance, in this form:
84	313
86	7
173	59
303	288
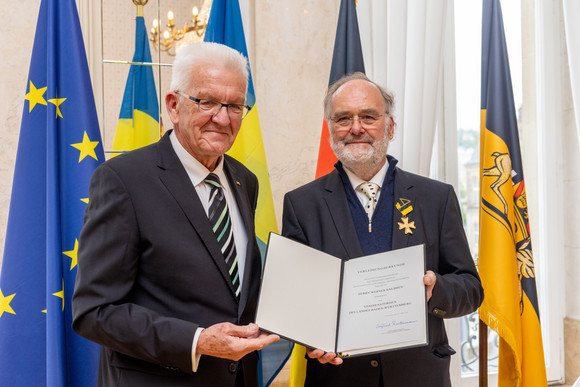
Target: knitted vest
381	237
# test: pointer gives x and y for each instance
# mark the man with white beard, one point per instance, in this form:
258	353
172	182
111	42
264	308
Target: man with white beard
367	205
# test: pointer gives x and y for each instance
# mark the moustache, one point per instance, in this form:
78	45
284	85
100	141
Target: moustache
363	137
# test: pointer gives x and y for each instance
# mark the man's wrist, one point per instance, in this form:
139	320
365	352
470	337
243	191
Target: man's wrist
194	355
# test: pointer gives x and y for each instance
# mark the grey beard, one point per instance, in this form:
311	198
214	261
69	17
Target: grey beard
362	164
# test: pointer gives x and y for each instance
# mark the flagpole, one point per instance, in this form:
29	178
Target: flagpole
482	354
140	4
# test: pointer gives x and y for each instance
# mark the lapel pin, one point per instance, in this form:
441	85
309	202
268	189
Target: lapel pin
404	206
406	225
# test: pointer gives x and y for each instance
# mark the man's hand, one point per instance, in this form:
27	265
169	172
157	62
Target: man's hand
231	341
323	357
429	280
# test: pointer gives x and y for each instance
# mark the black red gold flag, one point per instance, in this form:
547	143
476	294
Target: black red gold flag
347	58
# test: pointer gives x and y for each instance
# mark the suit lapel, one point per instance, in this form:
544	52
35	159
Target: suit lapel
404	195
173	175
339	210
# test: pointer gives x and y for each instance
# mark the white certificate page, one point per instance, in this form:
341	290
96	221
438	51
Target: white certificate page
383	303
299	294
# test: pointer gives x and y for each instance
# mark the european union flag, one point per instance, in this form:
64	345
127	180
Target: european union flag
59	147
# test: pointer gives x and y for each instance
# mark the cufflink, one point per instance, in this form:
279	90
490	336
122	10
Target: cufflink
439	312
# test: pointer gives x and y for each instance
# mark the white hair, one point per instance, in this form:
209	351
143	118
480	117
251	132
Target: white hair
196	54
388	97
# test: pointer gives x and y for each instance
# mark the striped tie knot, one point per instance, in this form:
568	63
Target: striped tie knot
213	180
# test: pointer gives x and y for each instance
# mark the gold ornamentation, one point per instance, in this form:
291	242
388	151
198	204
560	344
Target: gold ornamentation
172	38
406	225
404	206
526	261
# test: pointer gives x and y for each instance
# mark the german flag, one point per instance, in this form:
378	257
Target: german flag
506	264
347	58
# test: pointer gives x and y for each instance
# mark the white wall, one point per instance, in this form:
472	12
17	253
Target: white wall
18	20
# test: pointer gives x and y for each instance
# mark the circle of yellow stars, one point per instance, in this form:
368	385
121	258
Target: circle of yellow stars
35	96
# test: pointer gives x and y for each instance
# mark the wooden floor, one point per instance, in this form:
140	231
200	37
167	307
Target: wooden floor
283	377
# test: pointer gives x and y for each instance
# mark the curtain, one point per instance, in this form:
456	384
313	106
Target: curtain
572	28
404	48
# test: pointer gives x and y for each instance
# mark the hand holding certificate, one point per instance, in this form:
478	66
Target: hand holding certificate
368	304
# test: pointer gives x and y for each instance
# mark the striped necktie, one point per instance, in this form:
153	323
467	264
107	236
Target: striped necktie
219	217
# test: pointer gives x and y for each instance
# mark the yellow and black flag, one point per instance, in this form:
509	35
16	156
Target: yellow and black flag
506	264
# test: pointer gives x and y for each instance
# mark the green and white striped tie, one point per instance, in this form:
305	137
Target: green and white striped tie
219	217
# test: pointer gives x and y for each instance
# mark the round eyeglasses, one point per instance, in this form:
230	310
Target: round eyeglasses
366	120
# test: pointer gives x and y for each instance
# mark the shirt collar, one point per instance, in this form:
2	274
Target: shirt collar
196	170
383	176
378	179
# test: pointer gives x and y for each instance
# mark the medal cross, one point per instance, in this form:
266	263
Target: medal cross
406	225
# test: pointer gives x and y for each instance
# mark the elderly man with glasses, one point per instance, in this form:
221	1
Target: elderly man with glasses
169	267
368	205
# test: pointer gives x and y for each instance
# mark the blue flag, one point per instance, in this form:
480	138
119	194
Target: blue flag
59	147
225	26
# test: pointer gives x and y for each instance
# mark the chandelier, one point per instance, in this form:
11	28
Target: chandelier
172	38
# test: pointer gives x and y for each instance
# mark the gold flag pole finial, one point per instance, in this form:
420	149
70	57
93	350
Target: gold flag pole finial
140	4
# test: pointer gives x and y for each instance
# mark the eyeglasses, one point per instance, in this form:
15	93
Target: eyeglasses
207	106
366	120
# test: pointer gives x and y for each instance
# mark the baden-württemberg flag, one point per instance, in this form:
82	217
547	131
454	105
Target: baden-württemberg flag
506	264
138	123
225	26
59	147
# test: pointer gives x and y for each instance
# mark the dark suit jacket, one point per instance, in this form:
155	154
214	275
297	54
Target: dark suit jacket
318	215
150	272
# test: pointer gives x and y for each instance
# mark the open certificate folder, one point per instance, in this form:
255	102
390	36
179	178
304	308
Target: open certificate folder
369	304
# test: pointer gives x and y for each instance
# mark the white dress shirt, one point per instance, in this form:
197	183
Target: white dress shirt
355	181
197	173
